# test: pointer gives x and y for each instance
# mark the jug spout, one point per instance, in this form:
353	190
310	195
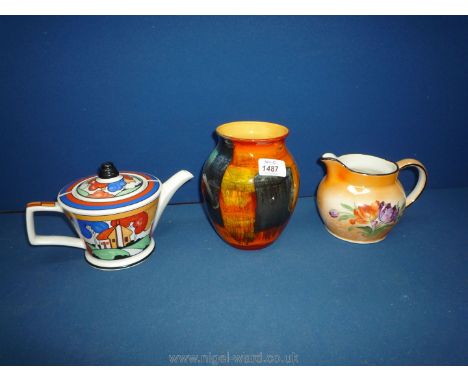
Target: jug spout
169	187
332	164
328	156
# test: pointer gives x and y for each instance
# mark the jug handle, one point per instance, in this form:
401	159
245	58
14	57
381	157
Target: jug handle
35	239
422	178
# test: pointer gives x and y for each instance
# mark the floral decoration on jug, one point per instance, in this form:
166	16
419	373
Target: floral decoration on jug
372	219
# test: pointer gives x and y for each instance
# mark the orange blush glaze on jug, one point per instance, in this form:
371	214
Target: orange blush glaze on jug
361	199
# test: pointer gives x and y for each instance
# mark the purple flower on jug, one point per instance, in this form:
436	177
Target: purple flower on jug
334	213
387	213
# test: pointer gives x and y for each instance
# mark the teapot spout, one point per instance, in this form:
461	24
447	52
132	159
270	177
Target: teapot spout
169	187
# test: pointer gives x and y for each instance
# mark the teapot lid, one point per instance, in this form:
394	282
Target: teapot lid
110	189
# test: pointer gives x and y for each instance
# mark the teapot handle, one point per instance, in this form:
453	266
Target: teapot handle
35	239
422	178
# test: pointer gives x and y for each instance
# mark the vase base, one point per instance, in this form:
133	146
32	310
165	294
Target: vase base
249	247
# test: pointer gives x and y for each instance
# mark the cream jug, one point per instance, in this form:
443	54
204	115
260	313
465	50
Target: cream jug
361	199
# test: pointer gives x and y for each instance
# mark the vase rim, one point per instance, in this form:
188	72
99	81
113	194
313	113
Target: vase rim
252	131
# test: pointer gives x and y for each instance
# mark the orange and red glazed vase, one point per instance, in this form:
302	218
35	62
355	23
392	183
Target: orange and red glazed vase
250	183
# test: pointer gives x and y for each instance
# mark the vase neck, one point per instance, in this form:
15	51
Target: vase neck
249	152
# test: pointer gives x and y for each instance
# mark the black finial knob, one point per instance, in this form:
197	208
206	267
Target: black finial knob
108	170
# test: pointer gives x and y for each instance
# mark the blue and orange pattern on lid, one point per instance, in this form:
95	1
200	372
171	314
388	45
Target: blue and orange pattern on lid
109	190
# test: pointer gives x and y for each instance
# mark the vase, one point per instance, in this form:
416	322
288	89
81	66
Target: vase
250	183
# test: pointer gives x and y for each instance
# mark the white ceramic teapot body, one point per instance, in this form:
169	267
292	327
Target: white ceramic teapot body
114	214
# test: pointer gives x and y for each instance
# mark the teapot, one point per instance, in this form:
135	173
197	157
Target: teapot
361	199
114	214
